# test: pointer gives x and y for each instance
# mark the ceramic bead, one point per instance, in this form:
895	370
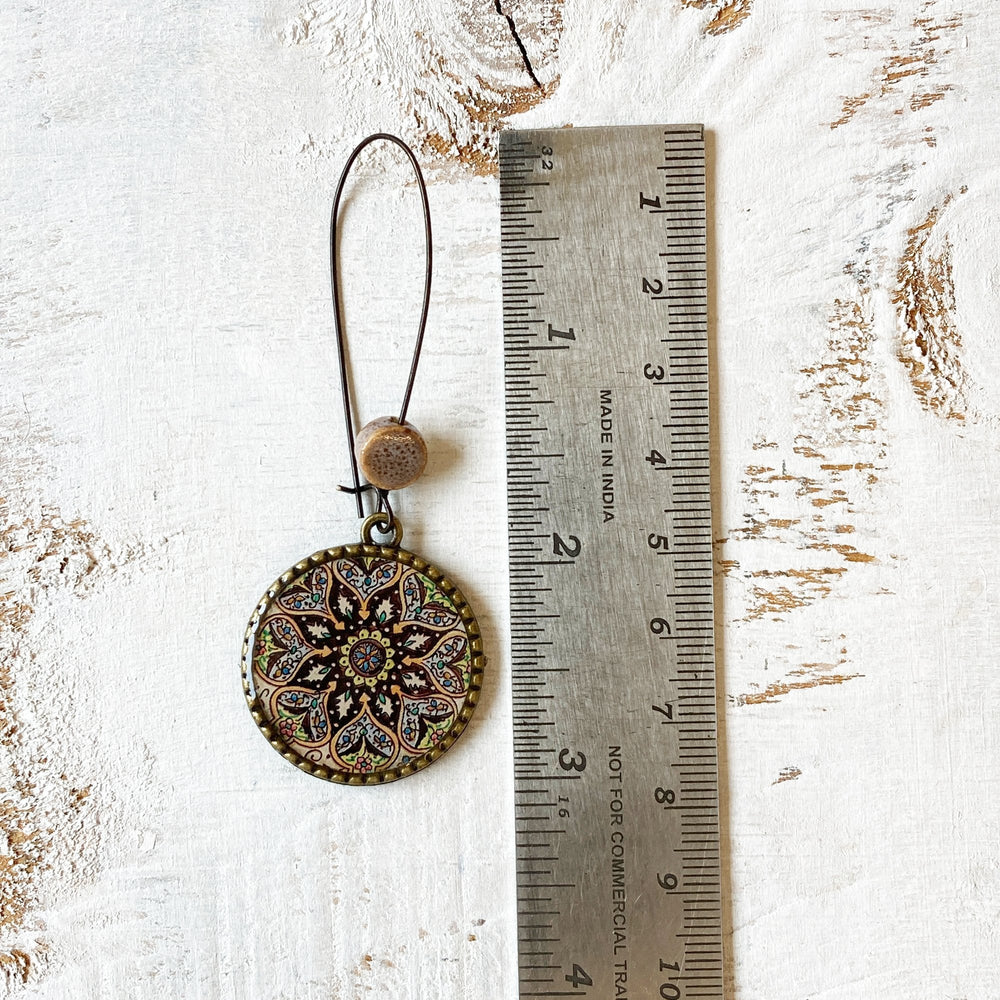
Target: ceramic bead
391	455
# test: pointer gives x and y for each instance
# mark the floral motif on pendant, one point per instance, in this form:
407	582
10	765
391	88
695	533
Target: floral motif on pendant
362	664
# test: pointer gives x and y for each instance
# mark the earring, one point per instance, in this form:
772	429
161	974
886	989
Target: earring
363	663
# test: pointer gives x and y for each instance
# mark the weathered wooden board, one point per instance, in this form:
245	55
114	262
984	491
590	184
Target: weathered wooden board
170	442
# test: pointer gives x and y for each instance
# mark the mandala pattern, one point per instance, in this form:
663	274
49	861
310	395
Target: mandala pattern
363	665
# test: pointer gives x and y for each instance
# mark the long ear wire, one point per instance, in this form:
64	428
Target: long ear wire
335	290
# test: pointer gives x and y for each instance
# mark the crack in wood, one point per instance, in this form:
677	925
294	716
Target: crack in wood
518	42
447	73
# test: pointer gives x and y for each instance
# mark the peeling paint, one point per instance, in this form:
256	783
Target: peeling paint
727	566
812	498
779	689
472	116
789	773
614	31
726	14
919	101
841	419
930	347
799	589
44	811
900	75
34	802
475	71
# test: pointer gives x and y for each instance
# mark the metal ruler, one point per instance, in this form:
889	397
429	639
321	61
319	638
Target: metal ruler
607	399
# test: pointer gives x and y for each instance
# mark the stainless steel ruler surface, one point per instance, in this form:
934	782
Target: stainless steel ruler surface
610	534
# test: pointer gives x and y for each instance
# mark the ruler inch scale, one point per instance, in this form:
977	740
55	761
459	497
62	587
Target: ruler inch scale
603	234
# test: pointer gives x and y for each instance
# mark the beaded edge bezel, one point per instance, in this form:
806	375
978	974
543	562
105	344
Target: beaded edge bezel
451	592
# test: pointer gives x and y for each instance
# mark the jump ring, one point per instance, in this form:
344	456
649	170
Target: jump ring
386	523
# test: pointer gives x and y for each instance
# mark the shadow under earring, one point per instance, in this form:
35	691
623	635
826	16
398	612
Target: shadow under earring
363	663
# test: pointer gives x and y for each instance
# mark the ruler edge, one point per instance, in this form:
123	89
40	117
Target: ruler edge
717	645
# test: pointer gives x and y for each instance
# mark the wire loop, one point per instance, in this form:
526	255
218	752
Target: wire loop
358	489
386	525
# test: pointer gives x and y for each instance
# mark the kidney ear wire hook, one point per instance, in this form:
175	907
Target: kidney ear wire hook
360	703
392	453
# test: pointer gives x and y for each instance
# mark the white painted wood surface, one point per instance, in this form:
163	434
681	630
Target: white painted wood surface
170	442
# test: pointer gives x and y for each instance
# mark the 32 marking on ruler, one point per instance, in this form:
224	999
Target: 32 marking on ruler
599	903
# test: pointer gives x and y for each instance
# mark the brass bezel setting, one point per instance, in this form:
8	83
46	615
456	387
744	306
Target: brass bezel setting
461	607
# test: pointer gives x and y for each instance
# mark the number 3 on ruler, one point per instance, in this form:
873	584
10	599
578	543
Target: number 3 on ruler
570	761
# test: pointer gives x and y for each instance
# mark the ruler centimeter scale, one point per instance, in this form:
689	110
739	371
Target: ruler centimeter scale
610	535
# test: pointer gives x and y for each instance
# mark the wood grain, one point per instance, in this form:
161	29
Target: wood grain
931	346
49	819
726	14
169	442
466	72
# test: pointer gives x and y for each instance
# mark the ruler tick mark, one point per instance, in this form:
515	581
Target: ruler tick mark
563	552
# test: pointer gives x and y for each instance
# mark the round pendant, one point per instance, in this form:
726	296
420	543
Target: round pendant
362	663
